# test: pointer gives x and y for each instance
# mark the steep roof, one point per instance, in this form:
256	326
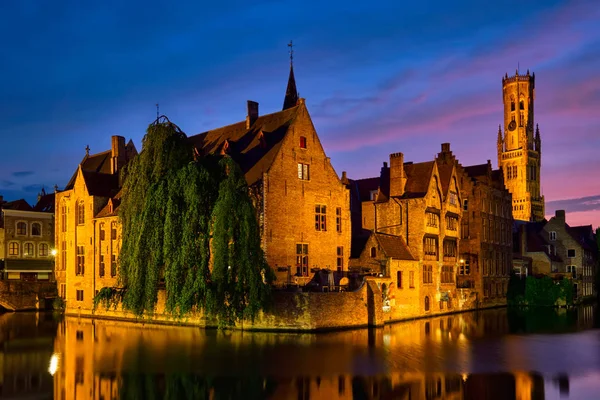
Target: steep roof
394	246
99	162
536	240
99	184
584	235
45	203
254	149
418	177
20	205
445	171
291	93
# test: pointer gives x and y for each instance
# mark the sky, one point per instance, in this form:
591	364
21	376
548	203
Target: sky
378	78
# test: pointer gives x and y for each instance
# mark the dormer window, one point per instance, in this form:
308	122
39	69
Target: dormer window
373	252
373	195
302	142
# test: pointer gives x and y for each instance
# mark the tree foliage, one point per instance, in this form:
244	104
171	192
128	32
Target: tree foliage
542	291
180	214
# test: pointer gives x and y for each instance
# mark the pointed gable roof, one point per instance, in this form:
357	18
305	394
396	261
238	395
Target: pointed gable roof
45	203
254	148
291	93
99	184
418	177
445	171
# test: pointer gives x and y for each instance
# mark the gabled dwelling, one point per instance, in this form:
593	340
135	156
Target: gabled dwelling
409	203
86	228
574	247
585	236
534	254
303	208
27	239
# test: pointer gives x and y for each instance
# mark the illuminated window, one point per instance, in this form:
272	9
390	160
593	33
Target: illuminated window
338	219
28	250
13	249
43	250
302	259
303	171
427	274
80	267
63	217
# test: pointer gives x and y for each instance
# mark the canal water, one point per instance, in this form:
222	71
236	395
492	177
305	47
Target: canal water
492	354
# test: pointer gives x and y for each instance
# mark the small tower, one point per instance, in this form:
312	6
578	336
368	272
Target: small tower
519	153
291	93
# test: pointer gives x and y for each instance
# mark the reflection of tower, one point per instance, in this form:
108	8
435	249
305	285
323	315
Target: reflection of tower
519	150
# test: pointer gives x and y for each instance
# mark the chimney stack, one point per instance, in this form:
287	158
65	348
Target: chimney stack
118	155
560	216
397	180
445	147
252	113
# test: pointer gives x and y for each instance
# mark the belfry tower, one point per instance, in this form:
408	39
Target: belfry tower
520	148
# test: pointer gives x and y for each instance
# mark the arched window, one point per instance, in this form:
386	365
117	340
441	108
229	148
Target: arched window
13	249
512	104
43	250
426	303
373	252
28	250
521	105
36	229
21	228
80	213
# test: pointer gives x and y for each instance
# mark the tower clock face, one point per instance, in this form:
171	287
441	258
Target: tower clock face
512	125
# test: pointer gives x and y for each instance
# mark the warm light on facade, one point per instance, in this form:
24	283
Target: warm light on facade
53	252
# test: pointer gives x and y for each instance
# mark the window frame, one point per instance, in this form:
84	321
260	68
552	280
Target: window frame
18	230
14	249
303	171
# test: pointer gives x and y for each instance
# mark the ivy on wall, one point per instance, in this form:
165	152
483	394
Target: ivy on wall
542	291
178	214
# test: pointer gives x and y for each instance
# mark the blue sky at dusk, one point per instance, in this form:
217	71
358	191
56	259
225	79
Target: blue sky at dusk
378	77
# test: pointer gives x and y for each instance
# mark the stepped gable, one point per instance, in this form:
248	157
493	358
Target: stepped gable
418	177
254	148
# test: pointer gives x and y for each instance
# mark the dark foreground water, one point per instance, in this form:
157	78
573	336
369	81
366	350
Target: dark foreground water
494	354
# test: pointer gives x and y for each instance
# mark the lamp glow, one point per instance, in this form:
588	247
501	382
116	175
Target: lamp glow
53	364
53	252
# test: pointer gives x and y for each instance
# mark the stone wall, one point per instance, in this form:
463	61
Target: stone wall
290	311
18	295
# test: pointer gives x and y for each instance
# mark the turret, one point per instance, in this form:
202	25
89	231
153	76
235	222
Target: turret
538	140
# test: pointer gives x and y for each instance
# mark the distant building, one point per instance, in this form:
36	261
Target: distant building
555	249
27	239
519	151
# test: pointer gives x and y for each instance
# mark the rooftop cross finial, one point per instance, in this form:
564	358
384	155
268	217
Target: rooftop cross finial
291	46
87	149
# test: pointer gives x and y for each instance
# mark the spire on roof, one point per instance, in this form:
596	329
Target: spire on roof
291	93
87	150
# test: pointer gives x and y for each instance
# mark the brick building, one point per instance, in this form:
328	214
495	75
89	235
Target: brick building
27	239
302	205
421	207
87	233
519	151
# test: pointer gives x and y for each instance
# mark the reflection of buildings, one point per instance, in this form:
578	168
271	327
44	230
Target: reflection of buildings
26	347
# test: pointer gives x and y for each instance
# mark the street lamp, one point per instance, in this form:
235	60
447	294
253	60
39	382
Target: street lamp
53	252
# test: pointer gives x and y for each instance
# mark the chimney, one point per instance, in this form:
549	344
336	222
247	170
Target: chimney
118	155
344	178
445	147
252	113
397	180
560	216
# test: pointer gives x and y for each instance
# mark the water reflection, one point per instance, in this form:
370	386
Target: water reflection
484	355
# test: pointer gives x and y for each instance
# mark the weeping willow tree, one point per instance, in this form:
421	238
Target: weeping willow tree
240	273
178	214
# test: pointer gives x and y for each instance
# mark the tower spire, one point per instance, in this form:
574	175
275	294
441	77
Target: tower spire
291	93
